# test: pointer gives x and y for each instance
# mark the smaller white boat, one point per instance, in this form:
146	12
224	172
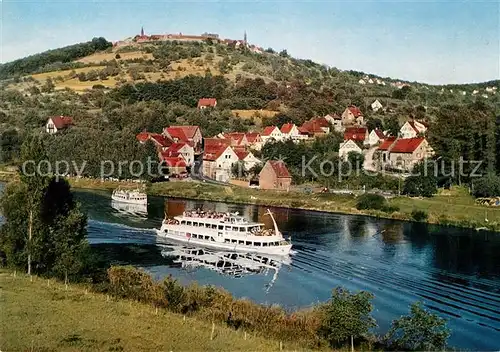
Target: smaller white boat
134	196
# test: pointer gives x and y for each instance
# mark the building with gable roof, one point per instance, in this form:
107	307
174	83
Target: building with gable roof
412	129
404	153
218	161
204	103
352	115
347	147
58	123
271	133
275	175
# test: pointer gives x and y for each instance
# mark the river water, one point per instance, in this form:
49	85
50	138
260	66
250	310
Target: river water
455	272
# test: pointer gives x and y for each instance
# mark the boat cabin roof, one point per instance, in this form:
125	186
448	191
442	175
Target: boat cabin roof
231	219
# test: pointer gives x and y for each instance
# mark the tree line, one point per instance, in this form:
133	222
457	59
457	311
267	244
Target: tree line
33	63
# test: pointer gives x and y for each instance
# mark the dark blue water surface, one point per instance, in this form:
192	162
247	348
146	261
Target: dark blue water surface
455	272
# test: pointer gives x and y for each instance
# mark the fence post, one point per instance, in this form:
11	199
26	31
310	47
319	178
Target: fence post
213	330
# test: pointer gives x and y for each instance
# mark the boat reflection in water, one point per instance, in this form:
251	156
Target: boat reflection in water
226	262
130	210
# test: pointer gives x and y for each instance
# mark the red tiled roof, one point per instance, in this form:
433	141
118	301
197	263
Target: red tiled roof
214	152
407	145
173	161
160	139
207	102
268	130
252	137
236	136
177	133
312	126
386	144
142	137
189	131
287	127
379	133
355	111
241	154
279	168
321	121
216	142
62	121
355	133
174	148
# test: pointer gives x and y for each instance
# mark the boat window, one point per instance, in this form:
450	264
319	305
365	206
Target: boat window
249	243
212	239
228	228
189	223
242	229
264	244
207	237
241	242
195	223
234	241
214	226
208	226
235	229
226	240
257	244
221	227
183	222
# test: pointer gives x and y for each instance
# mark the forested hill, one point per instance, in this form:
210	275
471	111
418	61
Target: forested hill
52	60
97	63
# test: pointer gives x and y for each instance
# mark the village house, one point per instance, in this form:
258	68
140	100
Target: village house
381	155
375	137
249	160
58	123
315	127
412	129
347	147
182	150
218	162
187	134
404	153
176	165
275	175
352	116
357	134
204	103
336	121
271	133
291	131
238	139
376	106
254	140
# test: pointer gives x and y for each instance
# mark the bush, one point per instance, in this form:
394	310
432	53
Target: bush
370	201
346	315
419	215
418	331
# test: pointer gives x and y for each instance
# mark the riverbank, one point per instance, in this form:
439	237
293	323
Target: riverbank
45	315
455	207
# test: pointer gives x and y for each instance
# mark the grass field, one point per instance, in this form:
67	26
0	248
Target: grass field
99	57
45	316
43	76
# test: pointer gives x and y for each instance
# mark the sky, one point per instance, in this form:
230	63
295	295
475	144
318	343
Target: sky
436	42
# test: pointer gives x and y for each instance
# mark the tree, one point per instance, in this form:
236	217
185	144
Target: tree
418	331
346	315
48	86
238	169
392	125
44	229
487	186
422	182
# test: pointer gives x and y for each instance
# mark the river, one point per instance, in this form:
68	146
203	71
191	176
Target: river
455	272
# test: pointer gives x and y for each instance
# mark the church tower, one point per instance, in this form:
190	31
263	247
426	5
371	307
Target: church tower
245	38
142	31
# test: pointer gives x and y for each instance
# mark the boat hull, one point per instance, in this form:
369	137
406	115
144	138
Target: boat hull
277	250
129	201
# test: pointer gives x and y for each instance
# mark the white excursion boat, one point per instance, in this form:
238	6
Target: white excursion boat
225	231
130	196
130	209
